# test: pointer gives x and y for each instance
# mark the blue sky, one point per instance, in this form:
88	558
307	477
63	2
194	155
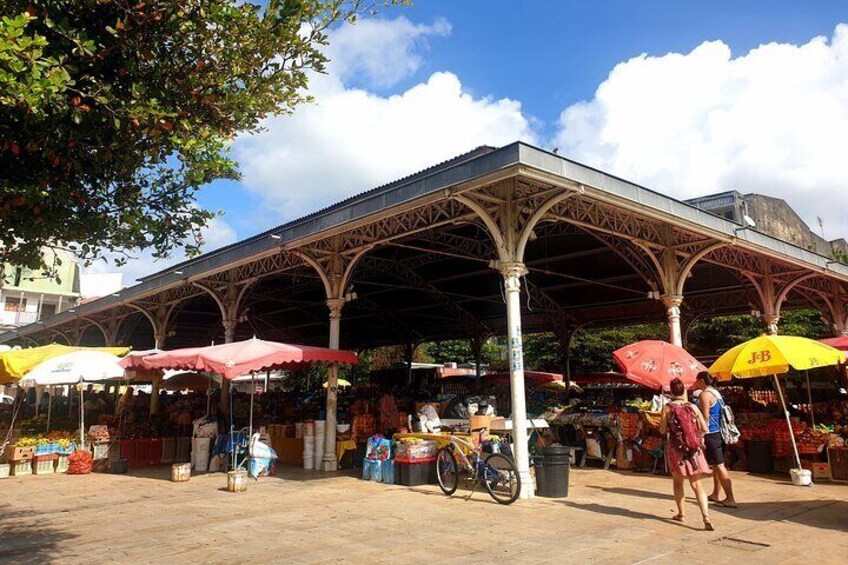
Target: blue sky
701	112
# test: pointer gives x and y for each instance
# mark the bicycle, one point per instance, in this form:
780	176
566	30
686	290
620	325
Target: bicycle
495	471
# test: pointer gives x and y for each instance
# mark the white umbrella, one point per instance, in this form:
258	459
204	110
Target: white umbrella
75	368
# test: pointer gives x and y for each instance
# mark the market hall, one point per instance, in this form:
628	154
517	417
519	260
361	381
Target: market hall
495	242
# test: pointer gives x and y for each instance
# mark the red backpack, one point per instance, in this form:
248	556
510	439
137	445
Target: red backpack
684	432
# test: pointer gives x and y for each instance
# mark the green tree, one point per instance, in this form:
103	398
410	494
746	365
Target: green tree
458	351
113	113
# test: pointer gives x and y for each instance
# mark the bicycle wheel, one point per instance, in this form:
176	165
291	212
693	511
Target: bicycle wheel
501	478
447	471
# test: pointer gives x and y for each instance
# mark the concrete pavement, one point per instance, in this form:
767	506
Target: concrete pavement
310	517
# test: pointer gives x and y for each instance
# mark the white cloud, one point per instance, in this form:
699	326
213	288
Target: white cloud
351	140
774	121
381	53
217	233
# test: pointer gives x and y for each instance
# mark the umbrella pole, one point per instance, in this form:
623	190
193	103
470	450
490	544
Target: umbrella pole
788	422
810	399
49	409
252	391
209	396
82	418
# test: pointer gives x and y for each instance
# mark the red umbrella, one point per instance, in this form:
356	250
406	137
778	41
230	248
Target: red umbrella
840	343
241	357
656	363
190	380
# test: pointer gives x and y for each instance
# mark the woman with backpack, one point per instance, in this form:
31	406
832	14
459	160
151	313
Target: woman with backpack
684	428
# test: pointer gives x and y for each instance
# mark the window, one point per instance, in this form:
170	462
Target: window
48	310
15	304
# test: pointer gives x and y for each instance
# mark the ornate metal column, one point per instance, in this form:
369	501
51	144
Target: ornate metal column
335	270
672	308
510	224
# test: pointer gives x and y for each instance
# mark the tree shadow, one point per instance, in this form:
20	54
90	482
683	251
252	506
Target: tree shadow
22	541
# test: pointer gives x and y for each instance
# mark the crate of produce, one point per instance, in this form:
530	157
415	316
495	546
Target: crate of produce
20	468
415	448
44	464
61	464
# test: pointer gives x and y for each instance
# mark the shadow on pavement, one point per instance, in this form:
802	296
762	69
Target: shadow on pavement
23	542
286	472
822	513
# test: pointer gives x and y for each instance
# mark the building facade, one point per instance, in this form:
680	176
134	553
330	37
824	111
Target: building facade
27	295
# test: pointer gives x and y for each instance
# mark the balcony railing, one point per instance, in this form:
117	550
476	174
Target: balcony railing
18	318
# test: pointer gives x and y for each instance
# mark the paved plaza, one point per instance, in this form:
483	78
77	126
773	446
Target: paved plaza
307	517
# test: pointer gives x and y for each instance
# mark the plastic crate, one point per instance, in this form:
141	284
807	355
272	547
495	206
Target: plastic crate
169	446
413	473
142	452
128	451
155	450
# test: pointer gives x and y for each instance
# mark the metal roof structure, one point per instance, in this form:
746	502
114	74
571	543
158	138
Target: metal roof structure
415	259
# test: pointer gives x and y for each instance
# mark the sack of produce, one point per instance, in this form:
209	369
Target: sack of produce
79	463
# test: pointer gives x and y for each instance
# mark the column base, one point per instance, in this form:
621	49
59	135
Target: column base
329	465
528	486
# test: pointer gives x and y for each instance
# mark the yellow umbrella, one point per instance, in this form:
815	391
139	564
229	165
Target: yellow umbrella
18	362
772	355
341	383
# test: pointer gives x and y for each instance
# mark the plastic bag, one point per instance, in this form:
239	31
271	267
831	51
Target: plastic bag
378	448
430	419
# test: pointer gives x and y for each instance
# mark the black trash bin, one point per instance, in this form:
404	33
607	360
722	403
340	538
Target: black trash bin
539	466
758	454
556	461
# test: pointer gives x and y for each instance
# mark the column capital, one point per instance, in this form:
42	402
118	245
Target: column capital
671	301
510	269
770	321
335	305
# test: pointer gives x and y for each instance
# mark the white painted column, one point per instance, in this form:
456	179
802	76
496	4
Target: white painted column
672	308
330	463
512	273
229	337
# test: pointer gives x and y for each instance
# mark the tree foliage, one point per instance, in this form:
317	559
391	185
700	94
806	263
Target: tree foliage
113	113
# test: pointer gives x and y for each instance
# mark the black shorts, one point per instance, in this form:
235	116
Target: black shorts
714	448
